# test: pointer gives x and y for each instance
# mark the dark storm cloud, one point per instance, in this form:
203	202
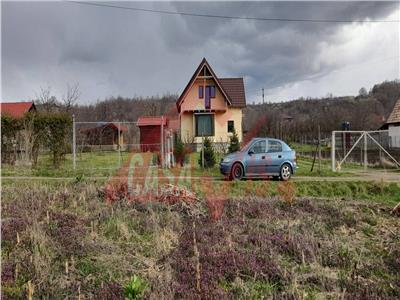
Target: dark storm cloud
116	52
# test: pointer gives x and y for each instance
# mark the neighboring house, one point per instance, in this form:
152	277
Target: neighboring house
211	107
17	109
13	147
393	125
105	136
150	131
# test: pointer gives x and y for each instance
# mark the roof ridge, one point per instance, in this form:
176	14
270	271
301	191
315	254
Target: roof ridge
13	102
231	77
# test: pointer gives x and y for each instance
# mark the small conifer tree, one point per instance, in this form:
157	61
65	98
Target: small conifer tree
179	151
234	143
209	154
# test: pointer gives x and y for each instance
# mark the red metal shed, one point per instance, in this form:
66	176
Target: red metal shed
150	132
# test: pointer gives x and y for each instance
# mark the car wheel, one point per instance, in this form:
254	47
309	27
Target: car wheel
237	172
286	172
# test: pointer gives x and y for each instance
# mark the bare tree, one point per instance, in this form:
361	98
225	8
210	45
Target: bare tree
46	100
363	92
151	108
71	97
27	139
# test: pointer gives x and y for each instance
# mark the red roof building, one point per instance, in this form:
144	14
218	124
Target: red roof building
150	131
16	109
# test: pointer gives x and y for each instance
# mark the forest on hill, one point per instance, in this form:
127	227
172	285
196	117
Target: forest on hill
295	120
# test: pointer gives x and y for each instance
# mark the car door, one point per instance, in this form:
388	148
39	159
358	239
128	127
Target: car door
256	162
275	156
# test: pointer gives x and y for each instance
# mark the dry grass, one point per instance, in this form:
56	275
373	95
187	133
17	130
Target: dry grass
62	241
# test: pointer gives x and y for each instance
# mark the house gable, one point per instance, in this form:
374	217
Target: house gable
203	72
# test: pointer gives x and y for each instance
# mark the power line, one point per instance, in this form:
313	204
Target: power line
189	14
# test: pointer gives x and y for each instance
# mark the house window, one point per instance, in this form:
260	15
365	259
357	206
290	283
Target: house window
204	124
212	91
201	92
231	126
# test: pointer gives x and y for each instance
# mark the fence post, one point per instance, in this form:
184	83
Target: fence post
365	151
119	144
333	151
162	141
73	142
319	148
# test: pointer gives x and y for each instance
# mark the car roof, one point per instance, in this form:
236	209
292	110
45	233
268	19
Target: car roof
265	138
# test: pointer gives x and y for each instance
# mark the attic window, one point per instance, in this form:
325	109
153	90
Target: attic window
212	91
201	95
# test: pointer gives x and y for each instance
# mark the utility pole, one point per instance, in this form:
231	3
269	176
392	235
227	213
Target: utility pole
319	148
263	94
73	142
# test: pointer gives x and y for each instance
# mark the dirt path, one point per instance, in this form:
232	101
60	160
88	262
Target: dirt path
368	176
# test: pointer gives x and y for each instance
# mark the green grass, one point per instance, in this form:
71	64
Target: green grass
388	193
90	164
107	163
306	147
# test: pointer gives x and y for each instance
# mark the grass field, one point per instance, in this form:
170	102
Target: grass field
108	162
67	242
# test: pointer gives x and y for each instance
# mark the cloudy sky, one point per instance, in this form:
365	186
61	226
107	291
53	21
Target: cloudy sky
112	52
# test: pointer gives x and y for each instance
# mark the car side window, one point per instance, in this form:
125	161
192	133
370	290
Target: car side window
274	146
259	147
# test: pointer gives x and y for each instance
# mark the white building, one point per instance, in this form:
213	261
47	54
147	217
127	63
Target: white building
393	125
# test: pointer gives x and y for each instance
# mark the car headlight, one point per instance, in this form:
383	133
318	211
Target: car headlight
226	159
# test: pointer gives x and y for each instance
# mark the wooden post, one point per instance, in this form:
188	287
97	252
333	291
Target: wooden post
319	148
119	144
202	152
73	142
333	152
365	151
162	142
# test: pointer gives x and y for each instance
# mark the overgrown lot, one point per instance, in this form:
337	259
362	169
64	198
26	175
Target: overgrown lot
66	241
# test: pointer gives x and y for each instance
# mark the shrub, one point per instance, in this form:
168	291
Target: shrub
234	144
179	151
209	154
135	288
9	128
57	128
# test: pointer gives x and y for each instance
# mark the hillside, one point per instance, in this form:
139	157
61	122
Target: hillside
299	118
366	111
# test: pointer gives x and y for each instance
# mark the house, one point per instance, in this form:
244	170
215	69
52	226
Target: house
150	131
210	106
17	109
393	126
106	136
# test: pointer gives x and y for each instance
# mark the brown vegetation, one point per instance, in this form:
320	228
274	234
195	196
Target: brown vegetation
64	241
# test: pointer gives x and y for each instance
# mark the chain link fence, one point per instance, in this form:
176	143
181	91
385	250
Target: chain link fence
364	148
111	145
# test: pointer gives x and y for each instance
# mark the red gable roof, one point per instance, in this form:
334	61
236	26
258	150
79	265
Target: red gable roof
16	109
151	121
